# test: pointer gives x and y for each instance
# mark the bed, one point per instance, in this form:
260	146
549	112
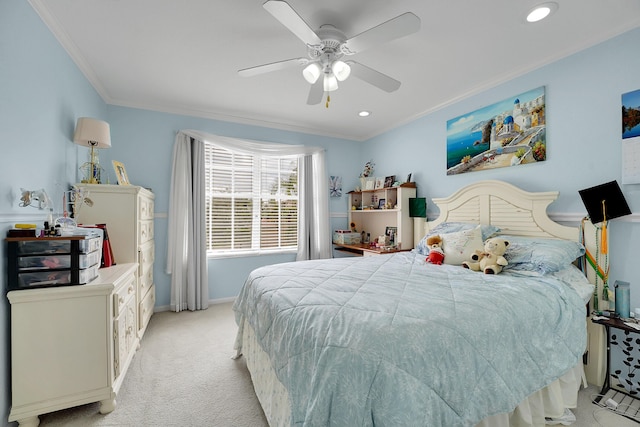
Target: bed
393	340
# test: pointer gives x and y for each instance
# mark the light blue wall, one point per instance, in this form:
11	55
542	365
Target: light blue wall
583	110
143	140
42	93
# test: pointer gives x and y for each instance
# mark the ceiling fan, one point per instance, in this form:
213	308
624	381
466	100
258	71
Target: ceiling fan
327	46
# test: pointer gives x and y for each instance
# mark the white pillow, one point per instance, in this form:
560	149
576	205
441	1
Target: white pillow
459	246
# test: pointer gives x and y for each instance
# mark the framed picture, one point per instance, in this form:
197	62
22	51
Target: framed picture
369	184
381	203
121	173
388	181
335	186
509	133
379	183
392	232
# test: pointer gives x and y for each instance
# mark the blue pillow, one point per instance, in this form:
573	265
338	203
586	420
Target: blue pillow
539	254
454	227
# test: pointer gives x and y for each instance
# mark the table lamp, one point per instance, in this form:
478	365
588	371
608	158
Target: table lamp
92	133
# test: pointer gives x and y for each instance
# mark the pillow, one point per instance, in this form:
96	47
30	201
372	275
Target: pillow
540	255
576	279
459	246
452	227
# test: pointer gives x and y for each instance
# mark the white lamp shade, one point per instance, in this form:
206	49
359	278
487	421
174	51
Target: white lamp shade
330	82
341	70
311	72
92	132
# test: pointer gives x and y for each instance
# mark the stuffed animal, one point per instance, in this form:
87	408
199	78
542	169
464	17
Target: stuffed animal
436	254
491	260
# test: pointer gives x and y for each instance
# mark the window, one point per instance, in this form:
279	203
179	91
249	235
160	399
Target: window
251	202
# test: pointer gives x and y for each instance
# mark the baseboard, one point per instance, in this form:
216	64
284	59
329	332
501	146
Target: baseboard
211	302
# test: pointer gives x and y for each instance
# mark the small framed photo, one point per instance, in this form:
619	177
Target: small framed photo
369	184
388	181
392	232
379	183
381	203
121	173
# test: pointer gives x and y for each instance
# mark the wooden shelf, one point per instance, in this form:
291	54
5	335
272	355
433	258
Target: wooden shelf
366	250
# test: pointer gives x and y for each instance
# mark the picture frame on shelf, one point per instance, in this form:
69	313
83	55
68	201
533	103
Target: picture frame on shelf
381	203
392	233
379	183
389	180
121	173
370	184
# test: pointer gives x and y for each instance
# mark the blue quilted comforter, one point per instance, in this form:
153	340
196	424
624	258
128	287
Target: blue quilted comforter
393	341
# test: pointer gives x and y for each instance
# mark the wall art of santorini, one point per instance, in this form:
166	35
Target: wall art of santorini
507	133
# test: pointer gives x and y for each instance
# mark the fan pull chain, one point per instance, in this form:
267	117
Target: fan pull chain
328	101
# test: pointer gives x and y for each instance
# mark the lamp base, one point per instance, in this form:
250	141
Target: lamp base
92	173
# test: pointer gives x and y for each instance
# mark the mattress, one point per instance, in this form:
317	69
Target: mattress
392	340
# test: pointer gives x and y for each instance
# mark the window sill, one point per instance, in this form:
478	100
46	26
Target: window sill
247	254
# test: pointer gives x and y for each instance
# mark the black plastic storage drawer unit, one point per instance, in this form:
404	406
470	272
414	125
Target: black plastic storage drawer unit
37	262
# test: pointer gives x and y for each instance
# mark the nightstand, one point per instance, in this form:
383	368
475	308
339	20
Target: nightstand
626	342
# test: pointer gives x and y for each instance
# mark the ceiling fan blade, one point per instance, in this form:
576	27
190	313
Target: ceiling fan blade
290	19
316	93
373	77
274	66
400	26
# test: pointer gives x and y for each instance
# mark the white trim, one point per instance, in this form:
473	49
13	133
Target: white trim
36	218
211	302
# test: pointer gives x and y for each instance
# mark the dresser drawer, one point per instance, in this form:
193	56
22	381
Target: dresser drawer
145	208
125	336
145	231
147	254
123	294
146	282
145	310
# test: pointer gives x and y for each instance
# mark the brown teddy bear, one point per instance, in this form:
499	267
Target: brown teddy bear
491	260
436	254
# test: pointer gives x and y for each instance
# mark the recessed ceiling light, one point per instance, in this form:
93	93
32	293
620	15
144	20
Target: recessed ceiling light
541	11
364	113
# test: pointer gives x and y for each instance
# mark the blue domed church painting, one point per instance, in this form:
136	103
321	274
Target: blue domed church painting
507	133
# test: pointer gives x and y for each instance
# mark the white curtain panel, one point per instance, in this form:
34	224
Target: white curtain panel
186	255
314	240
186	252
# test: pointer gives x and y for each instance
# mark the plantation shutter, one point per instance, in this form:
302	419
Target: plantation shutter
252	201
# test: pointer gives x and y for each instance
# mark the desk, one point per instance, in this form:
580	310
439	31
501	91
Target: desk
626	343
366	250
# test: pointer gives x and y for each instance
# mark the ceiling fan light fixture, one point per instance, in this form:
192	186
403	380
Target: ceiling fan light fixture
341	70
330	82
311	72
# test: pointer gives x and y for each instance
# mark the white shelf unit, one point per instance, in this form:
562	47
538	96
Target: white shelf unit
364	213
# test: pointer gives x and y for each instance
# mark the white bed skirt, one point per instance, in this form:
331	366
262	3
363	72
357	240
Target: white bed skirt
551	401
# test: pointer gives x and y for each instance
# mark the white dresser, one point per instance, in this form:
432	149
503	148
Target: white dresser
72	345
128	212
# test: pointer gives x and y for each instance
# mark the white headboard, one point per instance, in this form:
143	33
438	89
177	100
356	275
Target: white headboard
504	205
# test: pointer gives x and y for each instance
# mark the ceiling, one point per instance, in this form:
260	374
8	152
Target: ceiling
183	57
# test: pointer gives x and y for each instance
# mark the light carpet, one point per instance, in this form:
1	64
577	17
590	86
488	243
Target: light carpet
183	375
